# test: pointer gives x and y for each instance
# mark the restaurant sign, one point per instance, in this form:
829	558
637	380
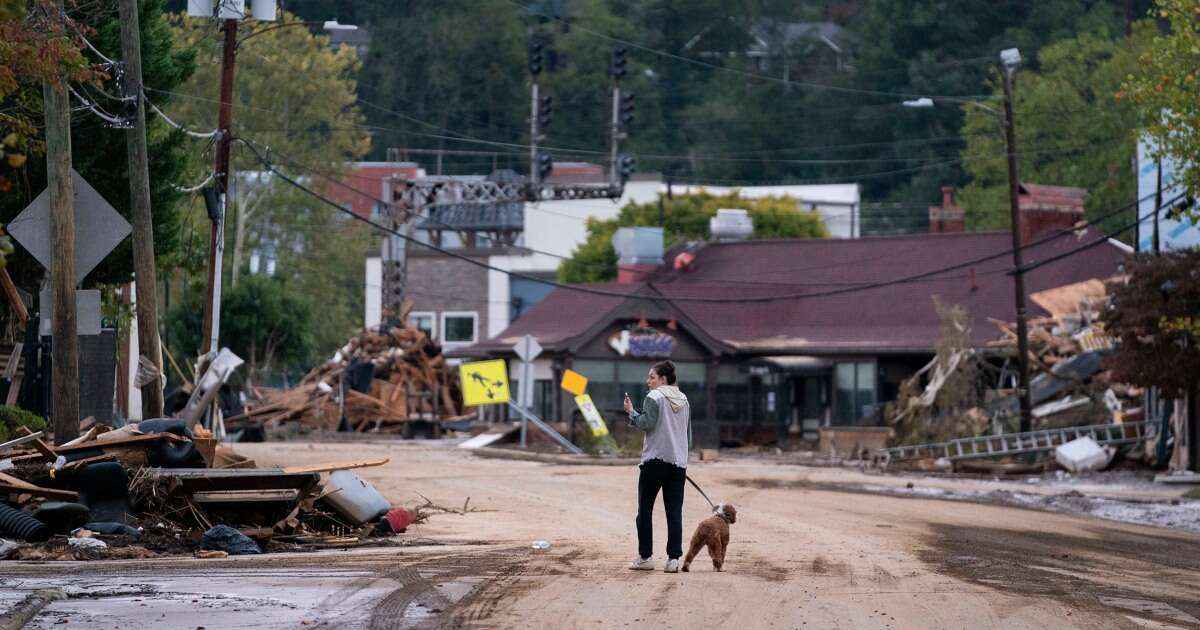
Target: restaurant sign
642	342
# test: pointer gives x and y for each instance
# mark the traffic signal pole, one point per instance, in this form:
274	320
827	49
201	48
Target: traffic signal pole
533	131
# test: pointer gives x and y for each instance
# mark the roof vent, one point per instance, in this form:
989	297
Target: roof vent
731	225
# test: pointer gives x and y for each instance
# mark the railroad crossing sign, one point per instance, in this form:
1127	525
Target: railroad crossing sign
484	382
99	228
592	415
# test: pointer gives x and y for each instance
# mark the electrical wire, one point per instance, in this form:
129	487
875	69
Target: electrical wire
195	134
697	62
659	298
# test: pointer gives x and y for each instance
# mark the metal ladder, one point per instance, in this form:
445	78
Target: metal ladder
1016	443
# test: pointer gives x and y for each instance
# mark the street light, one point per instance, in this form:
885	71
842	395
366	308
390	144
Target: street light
1010	58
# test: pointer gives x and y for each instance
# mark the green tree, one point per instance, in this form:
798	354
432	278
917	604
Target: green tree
99	150
318	253
437	70
685	217
1072	130
262	320
940	47
1166	87
293	93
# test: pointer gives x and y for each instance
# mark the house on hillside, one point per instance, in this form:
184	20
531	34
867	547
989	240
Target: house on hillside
777	338
793	51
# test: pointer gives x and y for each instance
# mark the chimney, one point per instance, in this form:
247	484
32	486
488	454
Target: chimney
947	217
730	225
1048	209
639	253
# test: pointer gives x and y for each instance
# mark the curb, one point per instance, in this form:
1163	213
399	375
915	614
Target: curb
28	608
551	458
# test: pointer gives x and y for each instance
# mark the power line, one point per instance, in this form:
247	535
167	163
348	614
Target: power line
697	62
661	298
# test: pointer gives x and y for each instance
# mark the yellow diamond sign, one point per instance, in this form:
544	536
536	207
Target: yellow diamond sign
484	382
574	382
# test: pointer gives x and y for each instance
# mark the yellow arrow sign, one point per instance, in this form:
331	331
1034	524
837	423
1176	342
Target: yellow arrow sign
484	382
592	415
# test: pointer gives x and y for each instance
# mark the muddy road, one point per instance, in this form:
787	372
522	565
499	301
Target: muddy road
801	556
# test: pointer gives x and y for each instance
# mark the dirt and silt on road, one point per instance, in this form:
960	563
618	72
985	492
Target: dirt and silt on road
801	557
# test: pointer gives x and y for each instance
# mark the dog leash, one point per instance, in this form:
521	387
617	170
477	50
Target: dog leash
697	487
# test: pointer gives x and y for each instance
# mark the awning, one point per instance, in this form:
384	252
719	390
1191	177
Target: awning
794	363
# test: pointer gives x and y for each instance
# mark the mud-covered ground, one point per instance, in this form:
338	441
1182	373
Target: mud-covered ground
806	552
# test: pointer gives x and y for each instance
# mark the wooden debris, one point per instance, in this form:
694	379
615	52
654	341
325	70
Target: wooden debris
411	381
365	463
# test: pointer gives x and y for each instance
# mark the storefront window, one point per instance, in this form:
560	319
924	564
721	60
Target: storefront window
854	392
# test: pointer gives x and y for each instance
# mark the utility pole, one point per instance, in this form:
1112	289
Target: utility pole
143	224
1010	58
65	349
216	245
1157	201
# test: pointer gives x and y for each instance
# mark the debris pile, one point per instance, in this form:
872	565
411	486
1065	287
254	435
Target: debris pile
967	392
159	487
384	378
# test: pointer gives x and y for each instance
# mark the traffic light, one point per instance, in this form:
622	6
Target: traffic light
535	59
616	68
545	111
544	164
625	167
627	106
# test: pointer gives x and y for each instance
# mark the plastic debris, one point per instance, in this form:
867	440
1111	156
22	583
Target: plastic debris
227	539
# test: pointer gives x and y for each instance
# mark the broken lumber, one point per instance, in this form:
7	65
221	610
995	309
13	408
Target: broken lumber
330	467
10	484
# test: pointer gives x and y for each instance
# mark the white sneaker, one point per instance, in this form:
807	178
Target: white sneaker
672	566
642	564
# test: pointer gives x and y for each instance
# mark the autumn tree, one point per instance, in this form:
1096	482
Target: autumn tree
1154	315
99	153
685	217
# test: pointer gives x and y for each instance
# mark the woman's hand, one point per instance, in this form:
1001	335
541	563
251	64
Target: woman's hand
628	405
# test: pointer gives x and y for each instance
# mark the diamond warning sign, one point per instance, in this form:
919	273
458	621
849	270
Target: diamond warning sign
484	382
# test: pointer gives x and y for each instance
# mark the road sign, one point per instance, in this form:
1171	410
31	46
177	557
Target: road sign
87	312
484	382
592	415
527	348
574	382
98	228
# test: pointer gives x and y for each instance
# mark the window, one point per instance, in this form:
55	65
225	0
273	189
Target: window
854	392
423	321
459	327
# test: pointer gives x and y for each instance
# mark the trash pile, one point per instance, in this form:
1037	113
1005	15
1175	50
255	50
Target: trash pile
967	392
384	378
159	487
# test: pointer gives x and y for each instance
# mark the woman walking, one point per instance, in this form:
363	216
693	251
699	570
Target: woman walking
666	419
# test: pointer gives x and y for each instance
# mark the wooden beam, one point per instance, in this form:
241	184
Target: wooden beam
14	298
363	463
41	447
12	485
133	439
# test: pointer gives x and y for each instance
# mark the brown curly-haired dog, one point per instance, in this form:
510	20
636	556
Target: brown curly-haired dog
713	532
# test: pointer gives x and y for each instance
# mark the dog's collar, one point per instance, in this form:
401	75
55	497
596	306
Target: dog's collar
721	515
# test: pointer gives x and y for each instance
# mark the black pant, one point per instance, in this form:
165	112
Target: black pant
657	474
